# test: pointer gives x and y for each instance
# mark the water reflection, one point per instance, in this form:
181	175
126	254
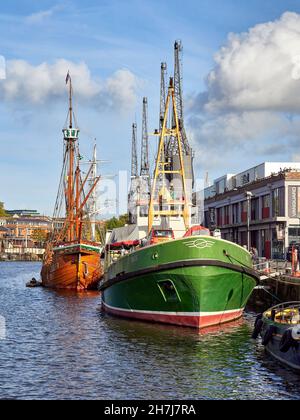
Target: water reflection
60	345
222	362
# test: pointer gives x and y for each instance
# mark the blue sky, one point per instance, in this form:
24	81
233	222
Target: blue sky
133	37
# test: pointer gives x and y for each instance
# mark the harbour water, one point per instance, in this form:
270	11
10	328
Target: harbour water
60	346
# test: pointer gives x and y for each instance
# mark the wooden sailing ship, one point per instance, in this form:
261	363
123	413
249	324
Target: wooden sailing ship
72	257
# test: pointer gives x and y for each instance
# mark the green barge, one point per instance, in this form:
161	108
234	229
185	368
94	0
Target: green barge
195	282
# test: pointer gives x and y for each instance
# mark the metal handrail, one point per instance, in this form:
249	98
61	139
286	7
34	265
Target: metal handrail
285	305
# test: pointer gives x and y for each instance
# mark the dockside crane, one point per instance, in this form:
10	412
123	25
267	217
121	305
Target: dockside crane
145	167
134	156
172	148
134	183
163	93
145	179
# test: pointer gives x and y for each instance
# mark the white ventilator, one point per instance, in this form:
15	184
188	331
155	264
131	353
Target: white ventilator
296	333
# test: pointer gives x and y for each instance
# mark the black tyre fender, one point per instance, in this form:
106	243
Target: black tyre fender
258	318
268	335
286	341
257	326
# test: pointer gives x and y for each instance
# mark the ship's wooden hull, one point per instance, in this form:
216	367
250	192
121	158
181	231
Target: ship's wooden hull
73	267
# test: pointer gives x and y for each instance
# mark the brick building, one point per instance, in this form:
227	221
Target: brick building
262	204
20	231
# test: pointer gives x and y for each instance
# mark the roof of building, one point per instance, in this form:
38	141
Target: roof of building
3	229
251	186
287	175
29	221
24	211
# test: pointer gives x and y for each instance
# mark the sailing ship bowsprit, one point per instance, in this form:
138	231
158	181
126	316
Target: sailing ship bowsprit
72	257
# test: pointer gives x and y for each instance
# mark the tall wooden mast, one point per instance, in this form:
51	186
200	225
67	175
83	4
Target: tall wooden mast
75	197
71	137
71	258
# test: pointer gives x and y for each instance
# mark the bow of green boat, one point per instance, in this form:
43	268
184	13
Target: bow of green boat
185	252
194	281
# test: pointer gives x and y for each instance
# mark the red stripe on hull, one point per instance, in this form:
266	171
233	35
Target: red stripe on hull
198	322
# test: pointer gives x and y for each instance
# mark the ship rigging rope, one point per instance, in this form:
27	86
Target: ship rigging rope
60	184
230	257
272	295
60	195
60	200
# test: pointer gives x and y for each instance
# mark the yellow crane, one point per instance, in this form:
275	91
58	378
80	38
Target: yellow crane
162	204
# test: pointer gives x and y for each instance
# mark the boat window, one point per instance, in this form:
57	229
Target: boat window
163	234
169	291
201	232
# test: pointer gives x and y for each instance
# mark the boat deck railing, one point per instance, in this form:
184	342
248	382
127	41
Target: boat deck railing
271	268
287	305
285	313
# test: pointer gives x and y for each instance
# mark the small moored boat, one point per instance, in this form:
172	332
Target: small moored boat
279	328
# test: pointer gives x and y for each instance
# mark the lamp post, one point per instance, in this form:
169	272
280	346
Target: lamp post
249	196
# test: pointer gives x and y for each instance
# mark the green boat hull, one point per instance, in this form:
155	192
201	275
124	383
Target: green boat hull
196	282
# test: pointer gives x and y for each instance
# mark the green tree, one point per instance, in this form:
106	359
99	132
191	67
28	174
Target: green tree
117	223
39	236
2	210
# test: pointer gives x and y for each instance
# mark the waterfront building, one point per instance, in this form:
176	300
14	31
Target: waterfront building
259	207
21	231
4	232
23	213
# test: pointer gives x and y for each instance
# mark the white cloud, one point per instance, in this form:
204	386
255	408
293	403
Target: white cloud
296	157
39	17
252	97
2	68
121	88
225	140
45	82
259	69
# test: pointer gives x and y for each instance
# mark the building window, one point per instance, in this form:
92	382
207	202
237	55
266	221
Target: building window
243	239
226	215
278	202
219	217
235	214
244	211
206	219
234	182
266	243
294	235
266	206
220	186
211	216
277	245
245	179
255	209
